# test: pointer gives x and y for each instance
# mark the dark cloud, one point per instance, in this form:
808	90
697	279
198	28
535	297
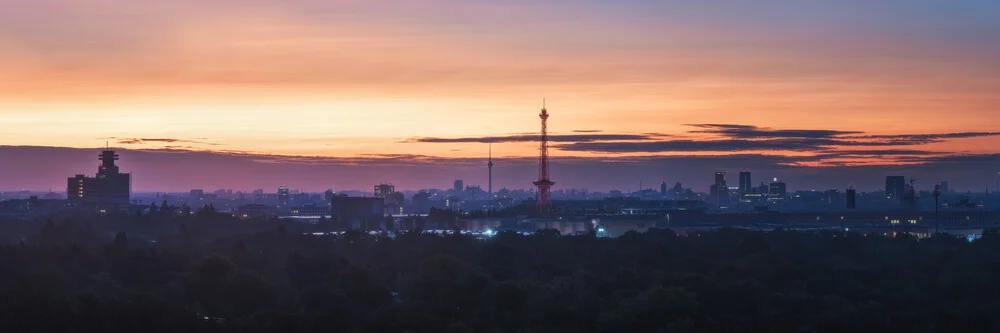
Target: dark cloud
754	132
926	138
536	137
752	138
725	145
855	138
735	138
885	152
142	141
722	126
992	159
672	146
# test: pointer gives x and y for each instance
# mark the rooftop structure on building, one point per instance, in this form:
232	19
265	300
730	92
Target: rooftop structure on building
108	188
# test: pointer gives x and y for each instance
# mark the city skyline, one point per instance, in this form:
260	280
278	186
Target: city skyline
312	90
180	171
506	166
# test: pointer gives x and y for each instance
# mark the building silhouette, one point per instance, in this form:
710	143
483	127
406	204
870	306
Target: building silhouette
354	212
777	190
895	188
109	188
852	198
384	190
392	201
719	191
746	186
283	195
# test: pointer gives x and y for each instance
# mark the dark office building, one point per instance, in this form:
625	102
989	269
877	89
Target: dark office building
832	198
720	177
663	188
109	188
392	201
352	212
909	199
384	190
719	191
895	188
852	198
283	195
746	186
777	190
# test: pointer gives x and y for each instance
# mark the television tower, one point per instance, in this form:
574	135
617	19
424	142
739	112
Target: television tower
490	166
543	183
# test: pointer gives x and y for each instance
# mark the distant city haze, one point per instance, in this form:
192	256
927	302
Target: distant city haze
43	168
346	94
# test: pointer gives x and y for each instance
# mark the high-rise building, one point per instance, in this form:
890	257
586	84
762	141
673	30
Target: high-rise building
384	190
777	190
895	188
852	198
720	177
474	192
459	185
663	188
832	198
944	186
283	195
909	195
421	201
746	186
391	202
110	188
719	191
354	212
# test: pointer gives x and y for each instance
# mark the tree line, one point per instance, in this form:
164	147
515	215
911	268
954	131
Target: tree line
208	272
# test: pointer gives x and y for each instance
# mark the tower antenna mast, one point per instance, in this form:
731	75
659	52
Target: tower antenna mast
489	165
544	184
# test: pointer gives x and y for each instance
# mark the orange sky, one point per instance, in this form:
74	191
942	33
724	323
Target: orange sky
342	78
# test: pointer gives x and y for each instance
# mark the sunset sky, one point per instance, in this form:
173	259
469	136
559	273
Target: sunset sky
810	84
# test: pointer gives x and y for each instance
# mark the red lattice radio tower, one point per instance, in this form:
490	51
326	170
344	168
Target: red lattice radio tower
544	184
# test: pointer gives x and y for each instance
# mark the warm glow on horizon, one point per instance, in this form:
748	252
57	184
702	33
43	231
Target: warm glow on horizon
347	78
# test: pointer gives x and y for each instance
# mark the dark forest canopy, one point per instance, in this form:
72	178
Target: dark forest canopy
206	273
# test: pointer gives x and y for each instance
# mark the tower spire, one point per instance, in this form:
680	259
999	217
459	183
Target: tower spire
544	183
490	166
